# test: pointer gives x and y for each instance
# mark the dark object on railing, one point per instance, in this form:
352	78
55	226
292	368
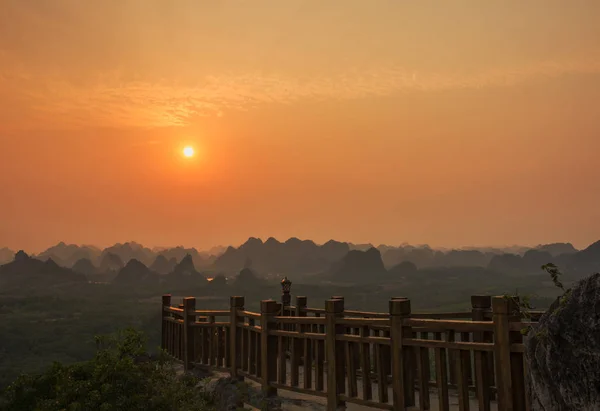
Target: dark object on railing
286	286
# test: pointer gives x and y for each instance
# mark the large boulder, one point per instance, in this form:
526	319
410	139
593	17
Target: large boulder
563	352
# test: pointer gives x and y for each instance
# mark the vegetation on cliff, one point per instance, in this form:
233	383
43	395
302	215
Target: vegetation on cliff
121	376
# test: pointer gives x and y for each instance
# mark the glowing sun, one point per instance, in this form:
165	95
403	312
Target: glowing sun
189	152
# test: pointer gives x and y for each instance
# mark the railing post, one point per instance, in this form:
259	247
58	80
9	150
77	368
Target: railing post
517	365
480	305
334	355
297	344
235	343
189	307
502	308
166	302
301	303
399	310
268	346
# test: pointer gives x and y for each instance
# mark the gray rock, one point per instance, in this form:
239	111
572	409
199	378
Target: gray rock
563	352
229	394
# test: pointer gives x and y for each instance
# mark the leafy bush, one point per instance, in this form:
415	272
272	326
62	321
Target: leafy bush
120	377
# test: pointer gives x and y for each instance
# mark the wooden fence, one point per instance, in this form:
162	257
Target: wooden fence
397	360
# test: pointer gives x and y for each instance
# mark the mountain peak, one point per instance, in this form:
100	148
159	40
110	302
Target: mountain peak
21	256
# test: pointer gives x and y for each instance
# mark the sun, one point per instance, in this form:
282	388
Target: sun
189	152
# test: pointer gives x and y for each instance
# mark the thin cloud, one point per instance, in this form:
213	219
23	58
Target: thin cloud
110	102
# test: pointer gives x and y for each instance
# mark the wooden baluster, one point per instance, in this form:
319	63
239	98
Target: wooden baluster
382	383
220	348
451	337
236	348
252	348
281	360
424	375
166	302
307	363
352	371
441	376
245	346
365	365
480	304
319	361
297	345
268	310
335	379
211	342
462	378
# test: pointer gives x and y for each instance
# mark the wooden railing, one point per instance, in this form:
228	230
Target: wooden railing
397	360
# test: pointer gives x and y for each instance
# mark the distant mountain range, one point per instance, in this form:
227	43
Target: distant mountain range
67	255
296	257
133	264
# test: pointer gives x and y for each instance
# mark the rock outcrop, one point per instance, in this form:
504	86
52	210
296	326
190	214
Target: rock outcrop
110	262
162	265
360	266
136	273
293	256
563	352
85	266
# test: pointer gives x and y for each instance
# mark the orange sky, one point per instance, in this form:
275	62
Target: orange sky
448	123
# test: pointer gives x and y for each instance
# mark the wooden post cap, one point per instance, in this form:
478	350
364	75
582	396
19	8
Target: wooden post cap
337	297
301	301
399	298
189	302
400	307
166	299
481	301
268	306
505	305
236	301
334	306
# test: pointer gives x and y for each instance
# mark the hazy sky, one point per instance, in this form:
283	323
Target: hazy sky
443	122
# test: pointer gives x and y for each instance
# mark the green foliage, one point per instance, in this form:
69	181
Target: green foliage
555	274
119	377
523	302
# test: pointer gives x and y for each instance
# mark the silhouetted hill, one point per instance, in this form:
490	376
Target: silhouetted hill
185	267
131	251
32	273
185	273
574	264
272	256
556	249
583	262
359	266
360	247
85	266
110	262
403	270
425	256
162	265
248	279
178	253
420	256
136	273
67	255
6	255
